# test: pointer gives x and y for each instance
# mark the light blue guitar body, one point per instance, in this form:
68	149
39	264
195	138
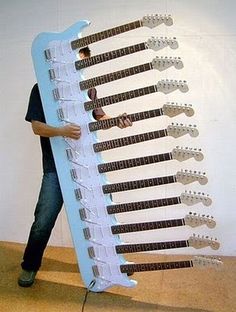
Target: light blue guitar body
76	162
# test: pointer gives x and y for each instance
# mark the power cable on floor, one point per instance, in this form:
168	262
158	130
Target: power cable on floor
87	292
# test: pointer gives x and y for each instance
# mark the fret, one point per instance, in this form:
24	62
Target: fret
142	267
131	248
146	226
111	122
104	57
108	100
134	162
93	82
132	185
106	145
80	43
141	205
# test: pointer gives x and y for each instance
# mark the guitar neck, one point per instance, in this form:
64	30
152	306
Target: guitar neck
115	143
112	122
133	185
142	267
133	162
96	81
82	42
107	56
141	205
146	226
108	100
131	248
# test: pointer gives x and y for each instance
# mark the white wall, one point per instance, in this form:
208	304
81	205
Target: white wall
206	31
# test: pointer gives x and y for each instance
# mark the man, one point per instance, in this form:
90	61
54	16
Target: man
50	199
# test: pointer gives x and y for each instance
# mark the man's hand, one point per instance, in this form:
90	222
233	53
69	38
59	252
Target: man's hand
124	121
72	131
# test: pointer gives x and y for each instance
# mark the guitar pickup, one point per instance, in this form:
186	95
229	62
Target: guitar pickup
99	234
104	253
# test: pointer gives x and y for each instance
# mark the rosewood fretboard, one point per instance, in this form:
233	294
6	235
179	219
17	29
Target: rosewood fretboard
133	185
108	100
141	205
104	57
82	42
96	81
115	143
131	248
142	267
146	226
134	162
112	122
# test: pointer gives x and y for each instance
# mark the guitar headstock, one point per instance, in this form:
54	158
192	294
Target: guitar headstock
204	262
176	130
172	109
198	242
194	220
181	154
167	86
162	63
192	198
154	20
189	176
156	43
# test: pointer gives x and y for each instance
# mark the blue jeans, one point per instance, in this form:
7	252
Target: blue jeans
49	205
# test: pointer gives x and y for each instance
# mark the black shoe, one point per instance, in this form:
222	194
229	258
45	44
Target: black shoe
26	278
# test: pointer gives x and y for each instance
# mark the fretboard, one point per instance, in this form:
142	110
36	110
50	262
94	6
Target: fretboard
133	185
112	122
115	143
83	42
146	226
104	57
130	248
141	205
108	100
142	267
133	162
96	81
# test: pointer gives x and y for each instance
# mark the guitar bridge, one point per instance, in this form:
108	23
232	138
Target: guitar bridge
82	213
52	74
48	55
87	234
56	94
95	271
78	194
91	252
